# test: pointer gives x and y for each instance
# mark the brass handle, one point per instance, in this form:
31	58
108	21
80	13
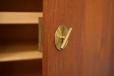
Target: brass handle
61	37
66	38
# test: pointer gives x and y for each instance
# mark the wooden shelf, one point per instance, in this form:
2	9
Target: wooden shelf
19	51
20	17
17	56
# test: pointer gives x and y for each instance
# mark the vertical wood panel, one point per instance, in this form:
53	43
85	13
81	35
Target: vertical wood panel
90	49
69	13
97	38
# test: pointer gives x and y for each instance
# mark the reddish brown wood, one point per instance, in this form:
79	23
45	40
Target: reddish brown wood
90	48
21	5
69	13
97	38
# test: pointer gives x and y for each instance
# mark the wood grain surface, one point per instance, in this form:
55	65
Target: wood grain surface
90	48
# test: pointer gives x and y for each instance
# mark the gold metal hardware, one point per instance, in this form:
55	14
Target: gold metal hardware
61	37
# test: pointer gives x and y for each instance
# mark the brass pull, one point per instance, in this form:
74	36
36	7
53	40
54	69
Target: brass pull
66	38
61	37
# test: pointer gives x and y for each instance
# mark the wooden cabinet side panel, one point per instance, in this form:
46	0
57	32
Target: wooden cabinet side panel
68	13
90	48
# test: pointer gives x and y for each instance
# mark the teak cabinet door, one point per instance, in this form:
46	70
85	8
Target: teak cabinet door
90	48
